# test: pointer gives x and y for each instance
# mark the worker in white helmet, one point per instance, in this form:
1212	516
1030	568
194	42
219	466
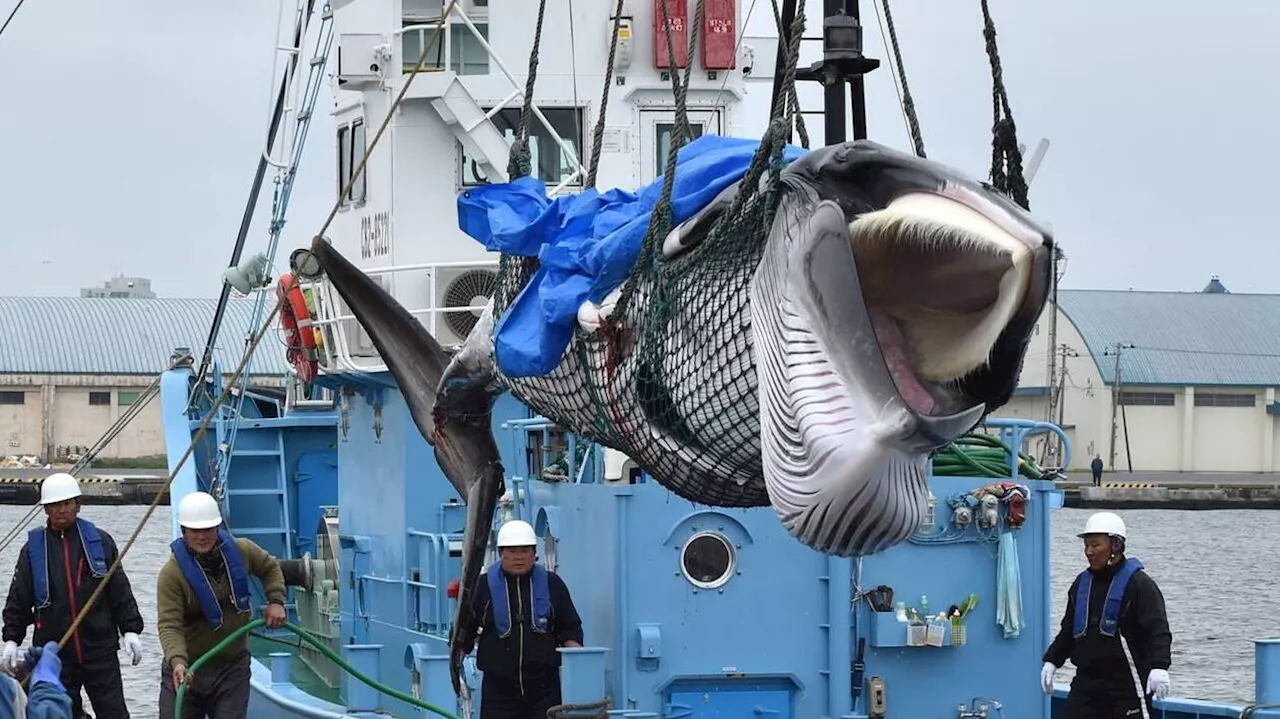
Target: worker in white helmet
1114	631
202	596
58	569
524	613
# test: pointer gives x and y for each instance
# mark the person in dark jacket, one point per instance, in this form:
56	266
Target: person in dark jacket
58	570
1114	631
1096	467
524	613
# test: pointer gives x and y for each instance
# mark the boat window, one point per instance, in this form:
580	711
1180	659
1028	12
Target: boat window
550	162
466	55
707	560
351	147
665	131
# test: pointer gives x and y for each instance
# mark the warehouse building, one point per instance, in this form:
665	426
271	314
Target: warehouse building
1195	375
71	366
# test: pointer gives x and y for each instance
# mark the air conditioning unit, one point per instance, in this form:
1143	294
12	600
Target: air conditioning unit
463	287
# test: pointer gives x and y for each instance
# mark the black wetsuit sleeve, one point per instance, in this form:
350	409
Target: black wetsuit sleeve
1060	650
568	623
1149	612
124	607
19	607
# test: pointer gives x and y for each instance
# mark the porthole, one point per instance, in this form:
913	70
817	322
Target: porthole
707	560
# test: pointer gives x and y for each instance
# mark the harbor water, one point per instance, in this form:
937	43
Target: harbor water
1198	558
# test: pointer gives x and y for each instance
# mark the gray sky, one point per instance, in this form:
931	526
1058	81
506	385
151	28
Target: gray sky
129	132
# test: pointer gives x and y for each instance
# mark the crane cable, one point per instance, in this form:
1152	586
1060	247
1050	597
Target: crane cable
249	350
10	18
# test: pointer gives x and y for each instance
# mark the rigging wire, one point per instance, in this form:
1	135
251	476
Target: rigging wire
10	18
257	338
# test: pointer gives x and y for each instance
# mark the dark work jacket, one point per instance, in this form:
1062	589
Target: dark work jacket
1100	660
113	613
523	655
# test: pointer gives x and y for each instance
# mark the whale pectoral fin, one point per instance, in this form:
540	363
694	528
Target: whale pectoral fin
451	401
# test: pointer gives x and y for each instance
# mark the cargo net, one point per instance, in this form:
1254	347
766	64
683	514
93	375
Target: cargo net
669	378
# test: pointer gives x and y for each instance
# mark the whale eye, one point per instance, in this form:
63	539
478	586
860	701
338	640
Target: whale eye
707	560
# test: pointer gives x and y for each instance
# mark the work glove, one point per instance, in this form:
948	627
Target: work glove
48	667
1158	683
9	657
1046	677
134	646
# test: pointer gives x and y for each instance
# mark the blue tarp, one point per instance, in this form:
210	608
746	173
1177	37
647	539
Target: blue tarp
586	243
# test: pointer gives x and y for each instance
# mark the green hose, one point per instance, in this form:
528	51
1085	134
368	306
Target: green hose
981	455
319	646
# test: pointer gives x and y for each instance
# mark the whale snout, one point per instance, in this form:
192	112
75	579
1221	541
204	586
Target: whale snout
905	306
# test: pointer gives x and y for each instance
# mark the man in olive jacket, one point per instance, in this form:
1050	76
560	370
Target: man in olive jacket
202	596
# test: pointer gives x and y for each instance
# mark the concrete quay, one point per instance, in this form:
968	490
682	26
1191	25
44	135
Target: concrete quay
1173	490
100	487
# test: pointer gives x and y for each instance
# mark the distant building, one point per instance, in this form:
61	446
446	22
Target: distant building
71	366
120	286
1198	373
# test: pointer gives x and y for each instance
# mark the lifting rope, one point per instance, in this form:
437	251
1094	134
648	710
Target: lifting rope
257	338
1006	158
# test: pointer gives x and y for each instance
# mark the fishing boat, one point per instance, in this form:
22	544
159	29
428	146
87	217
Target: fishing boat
690	611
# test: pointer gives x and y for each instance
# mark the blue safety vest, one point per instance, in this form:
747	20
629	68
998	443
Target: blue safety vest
199	581
502	606
1110	619
37	552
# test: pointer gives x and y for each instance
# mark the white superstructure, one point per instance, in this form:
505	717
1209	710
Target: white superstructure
452	130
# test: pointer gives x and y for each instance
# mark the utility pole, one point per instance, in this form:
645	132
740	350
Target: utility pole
1117	386
1056	403
1051	410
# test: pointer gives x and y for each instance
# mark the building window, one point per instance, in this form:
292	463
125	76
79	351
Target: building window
1147	399
351	148
1214	399
13	397
99	399
466	55
125	399
550	163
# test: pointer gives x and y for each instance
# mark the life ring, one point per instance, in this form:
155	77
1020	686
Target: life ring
295	319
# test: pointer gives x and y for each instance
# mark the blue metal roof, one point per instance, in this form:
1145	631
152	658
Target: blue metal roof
1180	338
93	335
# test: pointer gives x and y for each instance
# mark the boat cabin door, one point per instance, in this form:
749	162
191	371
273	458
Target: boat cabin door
656	129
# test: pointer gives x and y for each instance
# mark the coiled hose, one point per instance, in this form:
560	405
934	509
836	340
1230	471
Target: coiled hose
981	455
319	646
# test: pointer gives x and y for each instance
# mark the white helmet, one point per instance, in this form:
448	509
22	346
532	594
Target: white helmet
199	510
1108	523
58	488
517	533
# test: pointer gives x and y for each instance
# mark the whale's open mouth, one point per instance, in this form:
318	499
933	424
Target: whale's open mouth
940	281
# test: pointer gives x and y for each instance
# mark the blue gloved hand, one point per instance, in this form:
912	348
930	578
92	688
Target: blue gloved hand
47	666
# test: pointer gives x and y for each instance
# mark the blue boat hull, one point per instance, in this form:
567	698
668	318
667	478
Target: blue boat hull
773	634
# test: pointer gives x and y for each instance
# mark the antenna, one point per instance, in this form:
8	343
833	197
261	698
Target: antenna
1037	157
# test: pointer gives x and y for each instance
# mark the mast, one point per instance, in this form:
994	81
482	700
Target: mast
842	64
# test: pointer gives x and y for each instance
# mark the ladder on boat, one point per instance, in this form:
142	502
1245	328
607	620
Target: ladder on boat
275	523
